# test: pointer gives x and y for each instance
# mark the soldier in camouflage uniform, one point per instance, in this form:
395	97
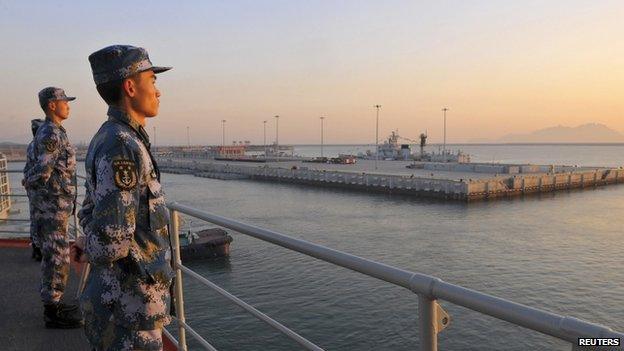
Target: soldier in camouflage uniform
30	162
50	183
126	298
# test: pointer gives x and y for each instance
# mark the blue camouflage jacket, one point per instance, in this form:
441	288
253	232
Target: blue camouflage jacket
125	222
51	162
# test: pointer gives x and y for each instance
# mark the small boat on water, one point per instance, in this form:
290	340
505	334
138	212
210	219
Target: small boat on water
207	243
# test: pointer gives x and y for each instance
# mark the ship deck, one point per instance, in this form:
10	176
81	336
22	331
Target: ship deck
21	311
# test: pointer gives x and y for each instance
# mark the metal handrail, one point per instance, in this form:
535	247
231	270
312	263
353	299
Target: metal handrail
261	316
179	299
428	288
197	337
170	337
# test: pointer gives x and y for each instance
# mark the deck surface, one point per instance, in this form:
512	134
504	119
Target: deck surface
21	310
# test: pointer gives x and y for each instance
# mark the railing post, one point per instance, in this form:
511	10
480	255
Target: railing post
179	296
86	268
427	323
76	207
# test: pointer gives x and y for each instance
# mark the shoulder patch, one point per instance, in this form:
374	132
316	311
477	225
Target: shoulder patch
125	174
50	145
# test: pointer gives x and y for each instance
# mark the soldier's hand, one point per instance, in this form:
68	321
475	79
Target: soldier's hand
77	252
78	255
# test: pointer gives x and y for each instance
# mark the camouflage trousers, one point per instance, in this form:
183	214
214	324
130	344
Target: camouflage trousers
106	326
34	218
105	335
52	221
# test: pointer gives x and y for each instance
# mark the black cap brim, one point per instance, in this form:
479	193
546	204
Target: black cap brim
70	98
160	69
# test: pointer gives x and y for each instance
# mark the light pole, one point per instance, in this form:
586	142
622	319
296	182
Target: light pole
188	137
222	132
322	118
444	145
277	136
377	136
264	140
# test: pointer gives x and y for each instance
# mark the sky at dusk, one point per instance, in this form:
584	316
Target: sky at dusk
499	66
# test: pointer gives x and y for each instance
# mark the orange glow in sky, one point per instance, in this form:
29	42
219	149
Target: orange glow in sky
501	67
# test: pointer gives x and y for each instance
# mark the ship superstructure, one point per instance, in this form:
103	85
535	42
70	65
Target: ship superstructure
392	150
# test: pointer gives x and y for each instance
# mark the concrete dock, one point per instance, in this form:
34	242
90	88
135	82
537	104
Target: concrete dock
453	181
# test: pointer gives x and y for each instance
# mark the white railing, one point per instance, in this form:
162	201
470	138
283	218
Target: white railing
432	318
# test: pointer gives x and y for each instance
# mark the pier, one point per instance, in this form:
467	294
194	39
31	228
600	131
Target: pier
451	181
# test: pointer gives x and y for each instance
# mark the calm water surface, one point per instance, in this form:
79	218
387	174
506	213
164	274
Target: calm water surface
561	252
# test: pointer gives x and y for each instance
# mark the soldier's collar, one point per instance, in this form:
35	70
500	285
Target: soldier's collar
49	120
121	115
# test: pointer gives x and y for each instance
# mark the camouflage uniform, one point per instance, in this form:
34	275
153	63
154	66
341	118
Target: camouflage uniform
126	298
31	158
50	181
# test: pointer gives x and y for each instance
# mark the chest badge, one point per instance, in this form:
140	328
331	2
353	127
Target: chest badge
125	174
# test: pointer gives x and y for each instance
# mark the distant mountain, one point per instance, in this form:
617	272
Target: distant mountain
586	133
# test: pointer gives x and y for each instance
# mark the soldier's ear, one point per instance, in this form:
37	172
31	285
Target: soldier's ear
129	87
52	106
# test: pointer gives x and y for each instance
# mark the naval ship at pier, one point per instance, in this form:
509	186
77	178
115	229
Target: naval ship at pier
392	150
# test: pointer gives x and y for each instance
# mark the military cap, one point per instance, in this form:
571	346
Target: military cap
117	62
52	94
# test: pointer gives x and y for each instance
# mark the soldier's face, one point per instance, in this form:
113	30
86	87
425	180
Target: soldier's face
60	108
145	99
